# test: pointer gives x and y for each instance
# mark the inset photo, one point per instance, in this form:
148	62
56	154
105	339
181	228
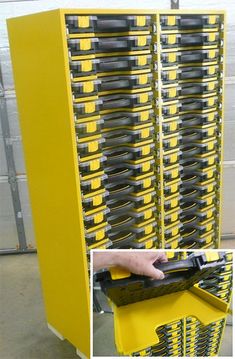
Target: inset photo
162	303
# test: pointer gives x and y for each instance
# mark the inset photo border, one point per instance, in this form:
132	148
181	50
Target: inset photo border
161	303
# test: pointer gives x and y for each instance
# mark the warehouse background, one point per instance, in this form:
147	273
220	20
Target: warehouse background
15	213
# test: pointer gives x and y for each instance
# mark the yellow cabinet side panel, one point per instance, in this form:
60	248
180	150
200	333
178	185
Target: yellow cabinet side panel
40	65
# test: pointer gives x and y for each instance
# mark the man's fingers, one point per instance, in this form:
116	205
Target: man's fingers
162	257
154	273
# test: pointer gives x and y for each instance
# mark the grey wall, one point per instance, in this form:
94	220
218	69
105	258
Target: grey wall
8	233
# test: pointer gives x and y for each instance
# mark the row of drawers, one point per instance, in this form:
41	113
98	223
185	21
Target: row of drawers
171	340
193	141
114	100
200	340
170	344
198	73
144	63
140	123
219	284
196	151
203	340
141	102
197	234
130	150
115	137
125	144
144	82
142	195
190	117
203	122
190	211
110	46
77	24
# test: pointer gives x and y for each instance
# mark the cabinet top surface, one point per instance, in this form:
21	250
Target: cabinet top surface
93	11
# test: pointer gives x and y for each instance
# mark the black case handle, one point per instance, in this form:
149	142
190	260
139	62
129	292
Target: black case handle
192	73
121	243
119	176
110	104
174	266
120	226
108	44
119	192
117	206
190	106
121	121
118	140
191	90
194	39
190	22
113	65
117	156
109	24
193	57
116	84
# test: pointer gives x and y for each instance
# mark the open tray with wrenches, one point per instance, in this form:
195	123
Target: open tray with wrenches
179	276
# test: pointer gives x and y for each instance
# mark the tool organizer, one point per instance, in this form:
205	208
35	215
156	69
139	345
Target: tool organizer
148	112
191	291
121	116
147	102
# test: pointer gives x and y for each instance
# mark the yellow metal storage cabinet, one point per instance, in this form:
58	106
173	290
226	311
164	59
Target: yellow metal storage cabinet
142	98
121	116
183	315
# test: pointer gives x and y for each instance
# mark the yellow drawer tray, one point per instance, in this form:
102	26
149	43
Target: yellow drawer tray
135	324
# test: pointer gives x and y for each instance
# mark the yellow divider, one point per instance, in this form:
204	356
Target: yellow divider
135	324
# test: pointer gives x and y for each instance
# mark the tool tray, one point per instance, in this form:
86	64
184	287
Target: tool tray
124	63
189	89
185	22
188	57
189	73
191	39
179	276
107	23
127	118
108	44
87	67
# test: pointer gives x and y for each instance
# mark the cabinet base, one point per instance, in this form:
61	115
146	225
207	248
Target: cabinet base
54	331
80	354
60	336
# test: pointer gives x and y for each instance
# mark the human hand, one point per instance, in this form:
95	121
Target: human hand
135	262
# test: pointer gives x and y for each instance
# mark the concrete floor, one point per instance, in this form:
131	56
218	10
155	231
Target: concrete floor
23	330
24	333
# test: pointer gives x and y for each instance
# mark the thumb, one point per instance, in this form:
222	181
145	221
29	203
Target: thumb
153	272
